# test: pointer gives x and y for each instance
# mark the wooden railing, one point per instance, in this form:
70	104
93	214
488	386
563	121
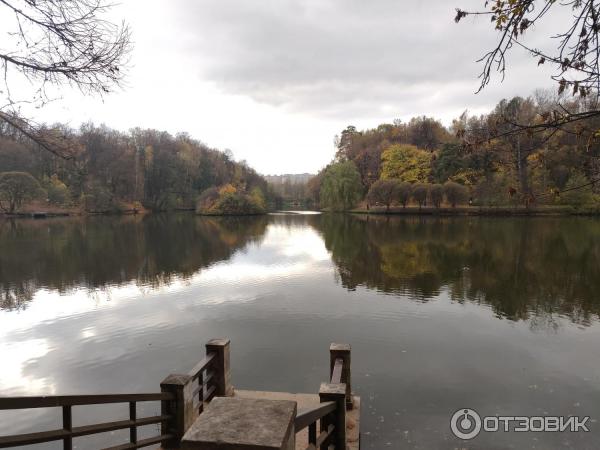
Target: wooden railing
204	391
68	431
336	397
310	418
182	399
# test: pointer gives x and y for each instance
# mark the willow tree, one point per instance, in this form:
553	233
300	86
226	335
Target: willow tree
341	188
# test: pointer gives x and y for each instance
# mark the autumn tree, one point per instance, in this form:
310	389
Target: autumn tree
15	189
383	192
436	194
53	43
576	60
403	193
419	193
455	193
406	162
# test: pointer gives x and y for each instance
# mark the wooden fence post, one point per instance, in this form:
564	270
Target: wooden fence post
181	409
342	351
335	393
221	366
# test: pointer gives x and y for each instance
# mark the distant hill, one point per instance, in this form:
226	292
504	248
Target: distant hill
291	178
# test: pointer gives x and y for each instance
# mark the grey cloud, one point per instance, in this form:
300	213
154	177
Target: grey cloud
340	57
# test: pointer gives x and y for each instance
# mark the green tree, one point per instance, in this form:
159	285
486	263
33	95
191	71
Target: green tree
419	193
436	193
383	192
341	188
455	193
406	162
449	162
15	189
577	191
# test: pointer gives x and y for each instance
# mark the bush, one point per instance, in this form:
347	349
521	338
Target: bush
436	194
383	192
403	193
493	191
455	193
99	199
58	193
207	198
16	188
419	193
229	201
575	194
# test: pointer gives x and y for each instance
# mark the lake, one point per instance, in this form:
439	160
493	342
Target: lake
496	314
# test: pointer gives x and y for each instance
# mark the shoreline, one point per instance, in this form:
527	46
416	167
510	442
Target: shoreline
500	211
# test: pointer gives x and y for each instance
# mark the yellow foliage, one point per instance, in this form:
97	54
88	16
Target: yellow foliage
407	163
227	189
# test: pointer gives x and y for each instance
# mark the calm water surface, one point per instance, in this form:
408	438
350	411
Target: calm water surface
499	315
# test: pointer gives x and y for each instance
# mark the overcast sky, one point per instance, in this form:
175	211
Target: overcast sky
275	80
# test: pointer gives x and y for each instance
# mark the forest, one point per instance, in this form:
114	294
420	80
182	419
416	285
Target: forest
113	171
500	159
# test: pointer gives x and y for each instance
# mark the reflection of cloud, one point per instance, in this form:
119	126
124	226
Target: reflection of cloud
300	248
15	355
57	326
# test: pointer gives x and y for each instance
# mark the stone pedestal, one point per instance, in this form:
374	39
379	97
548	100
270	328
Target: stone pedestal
243	424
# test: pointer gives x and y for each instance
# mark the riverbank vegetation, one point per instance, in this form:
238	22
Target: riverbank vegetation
482	161
112	171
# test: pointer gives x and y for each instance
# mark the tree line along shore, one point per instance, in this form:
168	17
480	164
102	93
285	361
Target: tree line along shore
500	162
108	171
477	165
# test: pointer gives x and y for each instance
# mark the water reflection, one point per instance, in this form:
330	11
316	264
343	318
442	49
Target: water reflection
526	269
64	254
111	304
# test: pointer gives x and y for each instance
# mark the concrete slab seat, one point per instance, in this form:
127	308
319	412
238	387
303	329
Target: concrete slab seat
231	423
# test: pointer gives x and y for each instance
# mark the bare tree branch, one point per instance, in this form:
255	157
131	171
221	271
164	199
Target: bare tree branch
57	42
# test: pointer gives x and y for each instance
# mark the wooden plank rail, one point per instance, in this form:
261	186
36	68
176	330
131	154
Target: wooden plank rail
336	375
202	365
310	416
68	431
336	397
78	400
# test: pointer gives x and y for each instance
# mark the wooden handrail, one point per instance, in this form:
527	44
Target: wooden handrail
68	431
195	372
140	444
336	375
55	435
305	418
78	400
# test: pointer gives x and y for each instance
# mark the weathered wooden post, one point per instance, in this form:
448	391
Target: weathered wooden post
335	393
342	351
221	366
181	409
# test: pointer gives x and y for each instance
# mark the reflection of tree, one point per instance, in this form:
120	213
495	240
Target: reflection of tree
102	251
524	269
15	297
